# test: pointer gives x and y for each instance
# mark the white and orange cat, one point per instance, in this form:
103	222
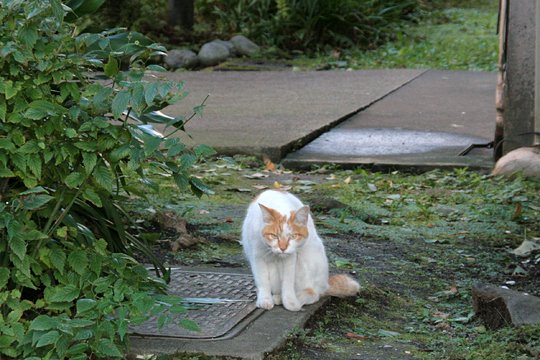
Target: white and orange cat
286	255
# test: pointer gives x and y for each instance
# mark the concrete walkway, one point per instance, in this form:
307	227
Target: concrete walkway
438	113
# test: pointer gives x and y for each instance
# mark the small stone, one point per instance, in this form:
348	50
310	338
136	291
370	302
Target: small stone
181	58
213	53
500	307
244	46
525	160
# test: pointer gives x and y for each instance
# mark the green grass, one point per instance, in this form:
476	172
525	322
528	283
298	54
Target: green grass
450	38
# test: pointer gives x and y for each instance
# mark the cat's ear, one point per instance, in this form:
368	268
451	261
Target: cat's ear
267	214
302	215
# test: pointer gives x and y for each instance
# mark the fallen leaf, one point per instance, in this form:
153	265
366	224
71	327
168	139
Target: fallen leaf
347	180
387	333
372	187
526	248
268	164
276	185
256	176
517	211
260	187
443	326
441	315
242	190
203	212
354	336
519	271
229	220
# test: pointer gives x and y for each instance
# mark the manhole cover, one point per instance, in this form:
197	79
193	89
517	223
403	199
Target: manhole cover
215	320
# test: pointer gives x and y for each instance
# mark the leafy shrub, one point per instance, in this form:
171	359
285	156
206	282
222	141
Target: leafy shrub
66	143
309	25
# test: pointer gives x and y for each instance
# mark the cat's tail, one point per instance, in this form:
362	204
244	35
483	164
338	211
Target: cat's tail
342	286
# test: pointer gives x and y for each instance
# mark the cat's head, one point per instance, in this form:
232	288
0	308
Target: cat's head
284	233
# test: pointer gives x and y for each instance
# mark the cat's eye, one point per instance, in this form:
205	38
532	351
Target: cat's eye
296	236
272	236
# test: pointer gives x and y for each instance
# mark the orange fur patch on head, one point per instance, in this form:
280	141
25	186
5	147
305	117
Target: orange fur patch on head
274	222
300	230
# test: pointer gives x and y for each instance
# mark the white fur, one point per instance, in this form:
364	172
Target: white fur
282	276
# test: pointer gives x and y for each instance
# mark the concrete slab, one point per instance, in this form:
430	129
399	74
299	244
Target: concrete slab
424	124
273	112
259	334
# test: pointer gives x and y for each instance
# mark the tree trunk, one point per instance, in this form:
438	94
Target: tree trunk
181	13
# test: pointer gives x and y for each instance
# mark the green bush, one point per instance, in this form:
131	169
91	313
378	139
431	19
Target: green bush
309	25
66	145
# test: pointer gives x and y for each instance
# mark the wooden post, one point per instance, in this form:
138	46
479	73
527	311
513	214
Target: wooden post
536	125
501	81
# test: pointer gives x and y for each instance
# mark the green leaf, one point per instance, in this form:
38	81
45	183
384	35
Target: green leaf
87	146
17	246
78	261
199	188
93	197
154	67
39	109
85	305
57	10
89	162
9	89
120	103
6	173
189	325
3	108
74	179
150	93
66	293
103	177
48	338
111	68
58	258
43	323
4	277
107	348
28	35
203	150
79	348
6	341
34	164
36	201
120	153
70	133
151	144
5	143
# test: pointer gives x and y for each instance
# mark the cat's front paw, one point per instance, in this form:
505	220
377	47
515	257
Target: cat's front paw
265	303
292	304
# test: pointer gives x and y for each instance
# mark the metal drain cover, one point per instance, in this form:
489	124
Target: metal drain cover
215	320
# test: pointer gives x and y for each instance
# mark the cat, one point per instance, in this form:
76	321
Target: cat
286	255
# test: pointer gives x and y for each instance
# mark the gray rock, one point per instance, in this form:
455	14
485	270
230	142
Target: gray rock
228	44
525	160
213	53
499	307
244	46
181	58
